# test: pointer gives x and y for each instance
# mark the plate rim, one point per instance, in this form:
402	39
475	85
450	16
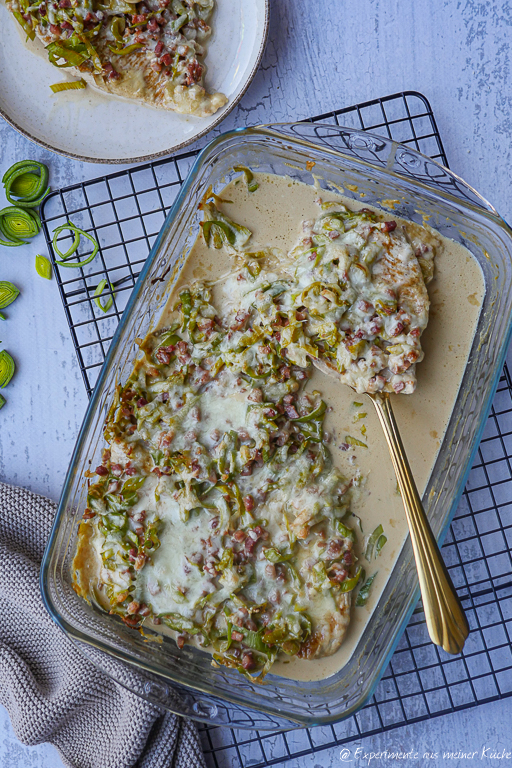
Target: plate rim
170	150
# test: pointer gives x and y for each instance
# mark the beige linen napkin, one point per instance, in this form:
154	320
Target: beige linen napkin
51	691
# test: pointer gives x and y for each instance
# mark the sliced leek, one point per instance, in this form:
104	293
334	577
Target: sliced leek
97	293
26	184
17	224
43	267
73	248
69	85
7	368
8	293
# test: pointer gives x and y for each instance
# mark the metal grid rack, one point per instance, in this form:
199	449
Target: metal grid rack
124	211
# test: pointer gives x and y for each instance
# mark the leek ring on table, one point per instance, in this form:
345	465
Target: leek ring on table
26	183
16	224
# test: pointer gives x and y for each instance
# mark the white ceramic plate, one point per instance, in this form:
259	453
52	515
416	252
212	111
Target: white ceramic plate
88	125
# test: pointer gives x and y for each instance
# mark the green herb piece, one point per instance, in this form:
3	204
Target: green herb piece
359	416
316	414
179	623
8	293
344	530
16	224
225	232
380	543
252	185
274	556
358	405
43	267
364	592
372	541
125	51
69	85
77	234
349	584
97	293
26	184
354	441
7	368
2	401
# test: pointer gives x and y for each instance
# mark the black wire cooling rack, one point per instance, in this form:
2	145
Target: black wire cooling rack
124	211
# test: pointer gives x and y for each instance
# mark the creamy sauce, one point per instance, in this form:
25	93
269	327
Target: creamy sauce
274	214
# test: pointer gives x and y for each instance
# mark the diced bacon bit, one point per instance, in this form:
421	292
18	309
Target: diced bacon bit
291	411
105	455
348	558
139	18
157	620
153	589
127	412
195	413
102	471
111	73
166	60
398	386
337	573
250	543
388	226
270	571
139	517
159	48
241	318
180	641
270	413
113	486
415	332
196	557
66	25
131	429
248	661
116	469
238	636
140	562
256	396
190	436
288	399
131	621
398	329
132	554
55	30
247	470
238	536
334	235
130	471
153	25
144	610
141	402
88	513
214	523
334	549
275	597
133	607
249	503
164	354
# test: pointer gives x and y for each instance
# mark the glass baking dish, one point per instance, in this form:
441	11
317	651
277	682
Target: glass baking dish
184	681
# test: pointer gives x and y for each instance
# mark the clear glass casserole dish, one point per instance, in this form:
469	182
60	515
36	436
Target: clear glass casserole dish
184	681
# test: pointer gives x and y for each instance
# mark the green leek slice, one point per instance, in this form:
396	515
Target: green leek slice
97	293
43	267
372	541
26	183
72	56
26	26
252	185
364	592
2	401
7	368
349	584
8	293
74	85
78	233
16	224
127	50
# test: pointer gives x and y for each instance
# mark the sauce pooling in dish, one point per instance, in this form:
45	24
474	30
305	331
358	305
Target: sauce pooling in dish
230	503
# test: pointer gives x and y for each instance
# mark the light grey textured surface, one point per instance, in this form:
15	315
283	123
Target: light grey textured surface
320	56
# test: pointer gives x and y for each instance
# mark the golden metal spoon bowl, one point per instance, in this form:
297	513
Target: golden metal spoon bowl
446	621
